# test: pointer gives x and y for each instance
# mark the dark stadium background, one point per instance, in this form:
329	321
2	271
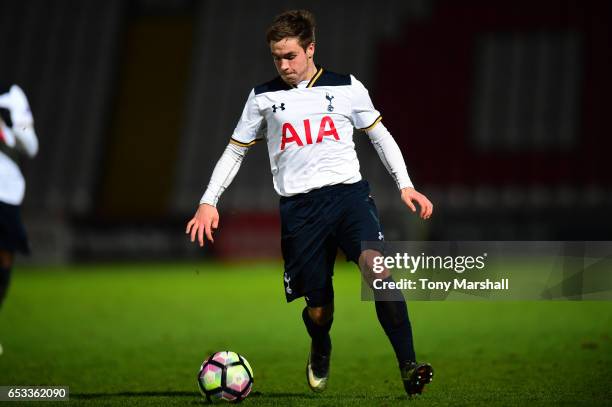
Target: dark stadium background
502	110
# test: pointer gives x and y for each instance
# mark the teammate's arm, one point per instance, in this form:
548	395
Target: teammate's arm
22	139
26	139
391	156
17	122
206	218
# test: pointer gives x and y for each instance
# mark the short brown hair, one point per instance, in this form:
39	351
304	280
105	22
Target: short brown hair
293	23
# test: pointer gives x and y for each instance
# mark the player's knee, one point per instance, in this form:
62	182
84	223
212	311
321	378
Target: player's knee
6	259
321	315
368	264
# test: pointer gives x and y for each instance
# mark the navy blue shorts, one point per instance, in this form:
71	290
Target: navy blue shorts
313	226
13	237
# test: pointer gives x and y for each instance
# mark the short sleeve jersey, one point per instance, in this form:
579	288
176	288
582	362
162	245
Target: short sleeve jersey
308	129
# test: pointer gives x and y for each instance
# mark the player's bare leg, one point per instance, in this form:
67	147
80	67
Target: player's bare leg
318	322
6	263
392	314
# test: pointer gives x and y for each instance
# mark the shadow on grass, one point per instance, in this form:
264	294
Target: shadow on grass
255	394
88	396
323	397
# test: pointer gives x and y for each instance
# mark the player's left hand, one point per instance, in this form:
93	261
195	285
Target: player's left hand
410	194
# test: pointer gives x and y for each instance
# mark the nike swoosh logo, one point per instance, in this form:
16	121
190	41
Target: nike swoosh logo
314	381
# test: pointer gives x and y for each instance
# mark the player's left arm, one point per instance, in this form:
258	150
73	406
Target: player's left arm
365	117
391	156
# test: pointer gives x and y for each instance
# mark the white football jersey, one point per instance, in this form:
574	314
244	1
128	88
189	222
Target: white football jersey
308	129
16	136
12	184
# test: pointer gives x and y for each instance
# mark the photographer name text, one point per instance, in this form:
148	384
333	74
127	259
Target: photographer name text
427	284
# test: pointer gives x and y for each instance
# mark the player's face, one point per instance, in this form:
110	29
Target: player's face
293	63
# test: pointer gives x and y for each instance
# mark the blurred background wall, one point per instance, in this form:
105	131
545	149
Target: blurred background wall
502	110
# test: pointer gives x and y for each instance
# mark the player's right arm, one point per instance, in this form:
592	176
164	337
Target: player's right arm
206	218
246	134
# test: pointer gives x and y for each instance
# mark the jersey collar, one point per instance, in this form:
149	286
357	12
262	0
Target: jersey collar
316	77
312	80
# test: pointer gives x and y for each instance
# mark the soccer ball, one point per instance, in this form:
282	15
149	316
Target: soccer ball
226	376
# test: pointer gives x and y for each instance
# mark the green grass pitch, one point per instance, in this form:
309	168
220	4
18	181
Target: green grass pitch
136	335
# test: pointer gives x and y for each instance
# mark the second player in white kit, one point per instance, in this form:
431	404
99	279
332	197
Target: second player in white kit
17	139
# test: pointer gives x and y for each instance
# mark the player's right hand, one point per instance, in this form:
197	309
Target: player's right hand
203	222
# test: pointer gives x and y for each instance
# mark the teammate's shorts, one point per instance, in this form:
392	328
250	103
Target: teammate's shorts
313	226
13	236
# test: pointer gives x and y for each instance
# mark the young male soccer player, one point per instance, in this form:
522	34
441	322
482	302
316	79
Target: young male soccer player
306	116
17	137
